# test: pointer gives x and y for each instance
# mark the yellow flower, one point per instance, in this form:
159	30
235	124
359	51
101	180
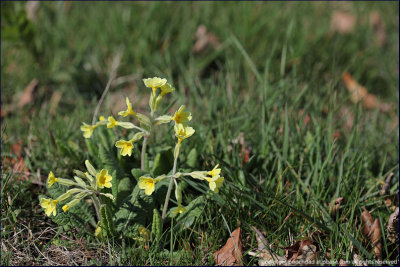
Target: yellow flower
87	130
51	179
126	146
214	172
65	208
103	179
182	132
128	110
179	209
97	231
49	205
101	118
154	83
148	184
111	122
215	182
181	116
166	88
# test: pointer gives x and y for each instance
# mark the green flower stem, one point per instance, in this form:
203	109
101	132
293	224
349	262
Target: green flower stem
171	183
96	203
143	154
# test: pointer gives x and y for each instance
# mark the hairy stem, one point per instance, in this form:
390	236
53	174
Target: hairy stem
143	154
171	183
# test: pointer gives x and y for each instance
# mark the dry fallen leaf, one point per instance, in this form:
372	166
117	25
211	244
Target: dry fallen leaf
54	101
393	226
342	22
231	253
372	232
204	39
334	206
16	163
27	95
386	185
31	8
360	93
302	252
342	263
378	26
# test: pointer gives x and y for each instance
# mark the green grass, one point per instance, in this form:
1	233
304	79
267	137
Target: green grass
277	64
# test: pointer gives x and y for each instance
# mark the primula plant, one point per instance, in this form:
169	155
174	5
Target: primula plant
117	198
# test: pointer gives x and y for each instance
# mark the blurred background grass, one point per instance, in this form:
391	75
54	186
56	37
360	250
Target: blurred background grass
273	74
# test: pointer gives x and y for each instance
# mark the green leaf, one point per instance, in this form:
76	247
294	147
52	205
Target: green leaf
137	172
192	158
107	223
163	162
193	211
136	210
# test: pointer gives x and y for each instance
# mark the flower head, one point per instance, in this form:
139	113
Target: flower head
181	116
111	122
65	208
51	179
87	130
126	147
103	179
148	184
101	118
182	132
128	110
215	182
154	83
179	209
166	88
49	205
214	172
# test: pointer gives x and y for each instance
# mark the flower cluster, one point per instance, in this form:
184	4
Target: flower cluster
91	183
86	184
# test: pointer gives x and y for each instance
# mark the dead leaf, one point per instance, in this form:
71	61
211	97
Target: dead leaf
304	251
360	93
264	252
378	25
386	185
231	253
334	206
342	263
27	95
16	163
204	39
54	101
366	222
342	22
393	226
372	232
358	261
31	8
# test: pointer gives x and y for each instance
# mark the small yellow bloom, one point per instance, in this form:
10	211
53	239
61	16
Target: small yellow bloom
215	182
103	179
148	184
87	130
128	110
51	179
179	209
126	146
181	116
214	172
111	122
165	89
49	205
101	118
154	83
97	231
182	132
65	208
